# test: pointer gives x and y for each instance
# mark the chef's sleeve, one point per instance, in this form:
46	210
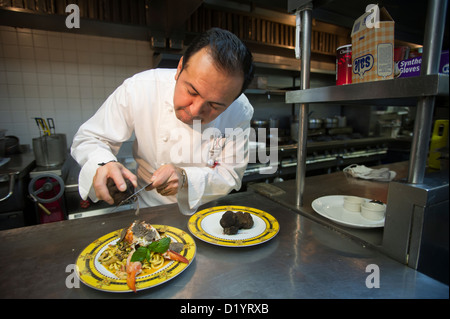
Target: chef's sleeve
98	140
206	184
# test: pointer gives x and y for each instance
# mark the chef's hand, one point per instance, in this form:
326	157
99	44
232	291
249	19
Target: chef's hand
118	173
168	179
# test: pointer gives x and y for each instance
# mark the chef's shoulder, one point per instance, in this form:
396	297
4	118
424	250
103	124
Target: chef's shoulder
240	110
152	75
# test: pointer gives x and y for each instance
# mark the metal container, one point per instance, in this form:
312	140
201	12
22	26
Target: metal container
342	121
314	123
331	122
344	65
256	124
50	150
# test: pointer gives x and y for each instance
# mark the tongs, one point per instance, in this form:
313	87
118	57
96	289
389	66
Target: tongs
42	125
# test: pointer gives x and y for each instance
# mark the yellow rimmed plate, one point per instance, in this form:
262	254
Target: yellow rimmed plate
93	274
205	225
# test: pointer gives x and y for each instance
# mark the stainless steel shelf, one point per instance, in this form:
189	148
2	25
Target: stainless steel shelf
265	91
404	92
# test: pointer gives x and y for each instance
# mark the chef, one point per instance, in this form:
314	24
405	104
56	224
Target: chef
191	128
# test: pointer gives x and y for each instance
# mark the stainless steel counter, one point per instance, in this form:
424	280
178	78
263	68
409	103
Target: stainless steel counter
304	260
334	184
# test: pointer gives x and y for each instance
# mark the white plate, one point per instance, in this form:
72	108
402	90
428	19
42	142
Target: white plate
205	225
332	207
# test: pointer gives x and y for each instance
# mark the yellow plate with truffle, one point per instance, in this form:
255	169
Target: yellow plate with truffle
205	225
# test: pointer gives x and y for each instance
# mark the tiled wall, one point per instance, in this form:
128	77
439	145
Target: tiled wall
61	75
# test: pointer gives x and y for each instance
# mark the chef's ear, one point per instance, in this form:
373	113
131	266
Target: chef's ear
179	68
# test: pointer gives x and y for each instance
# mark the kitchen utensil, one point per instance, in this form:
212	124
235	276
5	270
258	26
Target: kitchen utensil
132	196
50	150
315	123
331	122
51	124
42	125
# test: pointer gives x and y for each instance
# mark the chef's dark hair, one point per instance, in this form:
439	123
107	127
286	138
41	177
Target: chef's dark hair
227	50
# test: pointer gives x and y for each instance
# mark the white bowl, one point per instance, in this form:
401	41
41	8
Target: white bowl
373	211
353	203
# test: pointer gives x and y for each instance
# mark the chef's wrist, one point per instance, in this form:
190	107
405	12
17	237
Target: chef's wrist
104	163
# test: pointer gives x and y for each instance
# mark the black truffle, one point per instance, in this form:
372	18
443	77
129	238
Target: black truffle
233	221
116	194
228	219
232	230
245	220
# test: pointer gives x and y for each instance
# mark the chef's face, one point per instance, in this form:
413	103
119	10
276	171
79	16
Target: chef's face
203	91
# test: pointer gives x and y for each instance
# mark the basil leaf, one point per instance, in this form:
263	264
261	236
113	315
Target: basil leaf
140	254
147	256
160	246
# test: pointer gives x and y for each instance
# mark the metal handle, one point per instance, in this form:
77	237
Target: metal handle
34	198
51	124
12	179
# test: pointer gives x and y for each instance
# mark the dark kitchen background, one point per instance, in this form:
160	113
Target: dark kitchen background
50	71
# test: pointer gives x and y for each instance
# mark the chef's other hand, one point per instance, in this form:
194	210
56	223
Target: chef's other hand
118	173
168	179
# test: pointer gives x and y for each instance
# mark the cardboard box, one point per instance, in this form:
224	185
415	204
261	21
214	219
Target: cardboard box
411	67
373	47
443	64
408	68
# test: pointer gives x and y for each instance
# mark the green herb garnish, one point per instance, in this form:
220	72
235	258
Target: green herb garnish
143	252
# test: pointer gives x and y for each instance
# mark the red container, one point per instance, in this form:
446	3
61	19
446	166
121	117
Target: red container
344	65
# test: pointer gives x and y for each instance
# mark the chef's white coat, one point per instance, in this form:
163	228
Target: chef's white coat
143	104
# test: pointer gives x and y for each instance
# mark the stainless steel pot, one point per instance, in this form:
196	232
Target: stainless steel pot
50	150
331	122
315	123
260	124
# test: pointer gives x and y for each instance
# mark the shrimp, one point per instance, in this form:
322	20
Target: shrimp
134	268
173	255
140	233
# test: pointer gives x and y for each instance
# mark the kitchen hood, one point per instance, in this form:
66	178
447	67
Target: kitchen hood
166	60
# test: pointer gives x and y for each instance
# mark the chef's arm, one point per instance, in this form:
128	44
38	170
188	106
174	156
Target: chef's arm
205	184
99	139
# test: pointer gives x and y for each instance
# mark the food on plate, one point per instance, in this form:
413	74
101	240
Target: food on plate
140	247
233	221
